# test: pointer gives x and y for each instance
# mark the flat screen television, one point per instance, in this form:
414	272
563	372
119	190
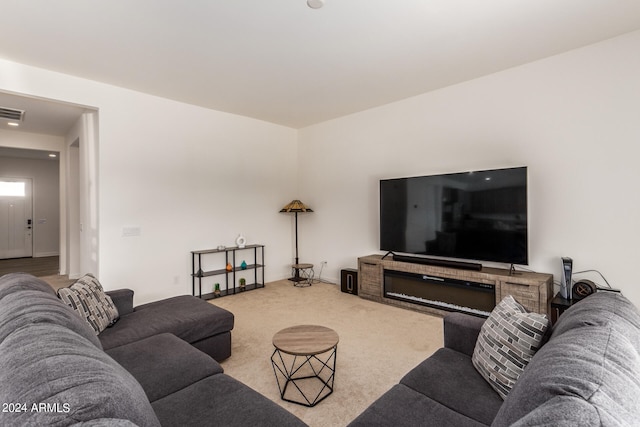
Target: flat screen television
478	216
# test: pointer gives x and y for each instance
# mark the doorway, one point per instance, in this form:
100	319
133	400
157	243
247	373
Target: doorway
16	218
70	130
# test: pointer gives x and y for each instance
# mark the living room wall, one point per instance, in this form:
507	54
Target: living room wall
188	177
572	119
192	178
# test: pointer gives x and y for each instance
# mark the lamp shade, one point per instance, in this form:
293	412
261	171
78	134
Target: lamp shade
296	206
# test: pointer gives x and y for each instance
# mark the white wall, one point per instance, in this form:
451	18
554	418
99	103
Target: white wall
192	178
80	203
573	119
188	177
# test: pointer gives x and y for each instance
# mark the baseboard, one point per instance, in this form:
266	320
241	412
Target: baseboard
45	254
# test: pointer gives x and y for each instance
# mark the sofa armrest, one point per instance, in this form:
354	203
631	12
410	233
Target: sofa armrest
123	300
461	332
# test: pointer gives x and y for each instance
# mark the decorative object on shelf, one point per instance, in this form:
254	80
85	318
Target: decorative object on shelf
296	206
241	241
243	266
200	273
216	290
221	247
243	284
229	267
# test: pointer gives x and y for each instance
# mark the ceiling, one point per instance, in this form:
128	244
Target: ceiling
41	115
283	62
28	154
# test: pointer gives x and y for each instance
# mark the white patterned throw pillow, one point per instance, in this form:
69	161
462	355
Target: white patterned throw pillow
508	340
88	299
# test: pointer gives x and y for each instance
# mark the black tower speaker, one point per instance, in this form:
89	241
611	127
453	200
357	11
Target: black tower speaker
566	287
349	281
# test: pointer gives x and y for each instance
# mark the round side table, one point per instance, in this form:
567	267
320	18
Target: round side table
304	363
302	274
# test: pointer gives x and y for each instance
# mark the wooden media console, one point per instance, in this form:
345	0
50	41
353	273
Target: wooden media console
438	290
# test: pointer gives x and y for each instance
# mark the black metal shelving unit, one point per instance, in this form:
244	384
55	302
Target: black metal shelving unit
231	287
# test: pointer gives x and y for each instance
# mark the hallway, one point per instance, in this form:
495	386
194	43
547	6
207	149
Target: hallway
46	268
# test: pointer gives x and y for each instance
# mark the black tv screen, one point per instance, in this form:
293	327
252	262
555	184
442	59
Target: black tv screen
479	215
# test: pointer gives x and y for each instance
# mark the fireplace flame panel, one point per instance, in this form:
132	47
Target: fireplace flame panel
439	292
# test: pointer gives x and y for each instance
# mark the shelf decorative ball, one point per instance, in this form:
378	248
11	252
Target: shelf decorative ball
241	241
229	267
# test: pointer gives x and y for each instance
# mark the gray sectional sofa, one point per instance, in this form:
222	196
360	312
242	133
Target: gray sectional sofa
146	370
204	326
587	374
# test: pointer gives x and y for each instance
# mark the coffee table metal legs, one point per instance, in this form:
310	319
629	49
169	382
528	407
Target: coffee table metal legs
311	376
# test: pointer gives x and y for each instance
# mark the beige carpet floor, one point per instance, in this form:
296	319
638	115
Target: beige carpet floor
378	344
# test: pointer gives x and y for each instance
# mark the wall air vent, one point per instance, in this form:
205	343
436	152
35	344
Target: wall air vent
12	114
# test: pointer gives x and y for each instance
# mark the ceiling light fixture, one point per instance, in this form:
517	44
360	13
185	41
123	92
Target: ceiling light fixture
53	155
315	4
13	124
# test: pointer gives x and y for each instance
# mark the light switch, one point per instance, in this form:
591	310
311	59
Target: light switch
131	231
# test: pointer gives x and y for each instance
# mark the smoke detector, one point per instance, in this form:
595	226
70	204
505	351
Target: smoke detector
315	4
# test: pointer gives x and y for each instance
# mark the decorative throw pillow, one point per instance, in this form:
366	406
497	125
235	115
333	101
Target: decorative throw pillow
88	299
508	340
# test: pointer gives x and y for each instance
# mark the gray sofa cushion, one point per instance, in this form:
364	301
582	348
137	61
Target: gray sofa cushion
122	299
561	411
14	282
186	317
154	361
220	400
461	332
31	301
404	407
105	422
449	378
47	363
596	360
601	309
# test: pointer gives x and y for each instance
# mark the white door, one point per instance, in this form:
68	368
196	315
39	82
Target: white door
16	223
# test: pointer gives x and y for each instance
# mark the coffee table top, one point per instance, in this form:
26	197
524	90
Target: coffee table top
305	340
